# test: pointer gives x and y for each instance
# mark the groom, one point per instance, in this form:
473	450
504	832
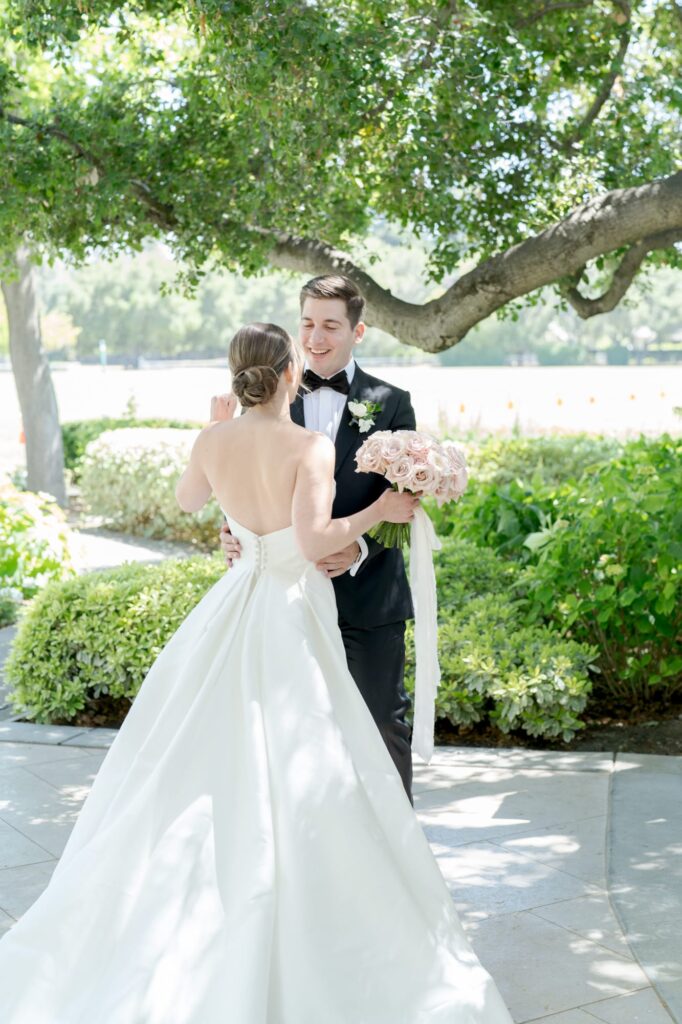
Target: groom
372	593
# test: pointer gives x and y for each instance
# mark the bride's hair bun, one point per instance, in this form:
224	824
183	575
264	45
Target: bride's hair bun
259	354
255	385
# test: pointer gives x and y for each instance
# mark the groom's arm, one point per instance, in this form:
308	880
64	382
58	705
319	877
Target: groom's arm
403	419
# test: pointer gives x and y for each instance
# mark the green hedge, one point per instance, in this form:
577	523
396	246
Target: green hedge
34	547
597	528
494	667
77	434
128	477
512	484
100	633
608	569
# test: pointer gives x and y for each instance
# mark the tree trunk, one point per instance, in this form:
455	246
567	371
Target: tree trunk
37	399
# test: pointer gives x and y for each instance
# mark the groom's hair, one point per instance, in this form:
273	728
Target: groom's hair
336	286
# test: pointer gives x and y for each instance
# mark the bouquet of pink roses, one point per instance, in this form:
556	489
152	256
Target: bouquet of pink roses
412	461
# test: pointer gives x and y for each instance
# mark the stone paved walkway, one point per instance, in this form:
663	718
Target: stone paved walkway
565	868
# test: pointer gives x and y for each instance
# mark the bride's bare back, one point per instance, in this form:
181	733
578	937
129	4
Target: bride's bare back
251	464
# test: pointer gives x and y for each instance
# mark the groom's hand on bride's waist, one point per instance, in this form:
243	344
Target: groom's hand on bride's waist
230	546
331	566
339	562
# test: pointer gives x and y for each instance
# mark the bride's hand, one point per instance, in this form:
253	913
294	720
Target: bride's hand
397	508
223	407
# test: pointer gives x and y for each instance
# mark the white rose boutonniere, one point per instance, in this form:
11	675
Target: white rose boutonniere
363	413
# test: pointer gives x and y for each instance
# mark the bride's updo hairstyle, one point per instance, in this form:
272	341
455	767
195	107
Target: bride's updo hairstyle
259	354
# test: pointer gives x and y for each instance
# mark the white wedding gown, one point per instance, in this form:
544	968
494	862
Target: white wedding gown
247	853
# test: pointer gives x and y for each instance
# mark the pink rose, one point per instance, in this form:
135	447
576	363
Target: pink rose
419	445
393	446
370	457
424	478
400	471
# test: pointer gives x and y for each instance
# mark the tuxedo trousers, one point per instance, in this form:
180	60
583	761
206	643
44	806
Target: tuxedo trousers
376	660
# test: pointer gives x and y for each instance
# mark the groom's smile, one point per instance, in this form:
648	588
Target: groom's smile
327	336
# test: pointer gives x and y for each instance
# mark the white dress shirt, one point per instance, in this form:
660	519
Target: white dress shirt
322	411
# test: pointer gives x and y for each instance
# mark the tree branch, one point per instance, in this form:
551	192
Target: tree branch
560	5
569	142
623	276
623	217
160	214
642	217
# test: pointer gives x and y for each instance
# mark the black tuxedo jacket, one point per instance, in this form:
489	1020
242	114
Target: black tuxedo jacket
379	592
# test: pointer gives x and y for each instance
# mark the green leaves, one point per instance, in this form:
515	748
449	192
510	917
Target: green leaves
100	633
208	119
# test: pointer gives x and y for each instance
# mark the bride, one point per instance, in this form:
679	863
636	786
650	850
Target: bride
248	853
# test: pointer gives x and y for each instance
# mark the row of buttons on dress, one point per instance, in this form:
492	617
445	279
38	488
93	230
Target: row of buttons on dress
261	554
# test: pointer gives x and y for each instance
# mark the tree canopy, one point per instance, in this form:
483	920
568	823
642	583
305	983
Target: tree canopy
531	144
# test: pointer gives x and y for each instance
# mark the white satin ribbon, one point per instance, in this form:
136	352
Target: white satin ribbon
423	541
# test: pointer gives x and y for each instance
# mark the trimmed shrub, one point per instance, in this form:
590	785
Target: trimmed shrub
99	634
128	477
34	547
494	667
609	569
512	488
78	434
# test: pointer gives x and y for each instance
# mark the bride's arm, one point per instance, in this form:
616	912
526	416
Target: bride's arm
317	534
193	490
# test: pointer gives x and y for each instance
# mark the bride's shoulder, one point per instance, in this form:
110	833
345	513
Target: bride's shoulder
317	448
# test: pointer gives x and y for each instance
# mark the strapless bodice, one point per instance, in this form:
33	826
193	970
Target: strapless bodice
276	551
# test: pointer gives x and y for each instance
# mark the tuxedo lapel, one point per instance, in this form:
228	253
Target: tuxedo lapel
296	410
348	436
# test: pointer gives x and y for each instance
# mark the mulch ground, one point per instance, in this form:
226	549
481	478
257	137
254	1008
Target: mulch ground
654	729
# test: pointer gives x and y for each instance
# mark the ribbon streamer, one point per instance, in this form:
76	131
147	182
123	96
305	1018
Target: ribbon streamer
423	541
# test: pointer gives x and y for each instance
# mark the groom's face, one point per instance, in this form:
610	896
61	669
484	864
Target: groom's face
326	335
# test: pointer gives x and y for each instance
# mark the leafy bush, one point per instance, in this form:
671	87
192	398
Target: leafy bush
493	667
464	570
609	567
128	477
34	546
512	487
99	634
78	434
10	599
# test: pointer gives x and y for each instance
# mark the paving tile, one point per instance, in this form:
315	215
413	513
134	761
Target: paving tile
577	847
590	916
644	858
659	764
39	811
21	886
16	755
567	1017
520	757
29	732
93	738
542	968
643	1007
16	849
498	802
74	775
486	878
6	922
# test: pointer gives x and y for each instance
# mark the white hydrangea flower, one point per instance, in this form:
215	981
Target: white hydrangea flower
364	425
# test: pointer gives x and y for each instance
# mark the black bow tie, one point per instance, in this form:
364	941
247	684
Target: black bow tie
339	382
